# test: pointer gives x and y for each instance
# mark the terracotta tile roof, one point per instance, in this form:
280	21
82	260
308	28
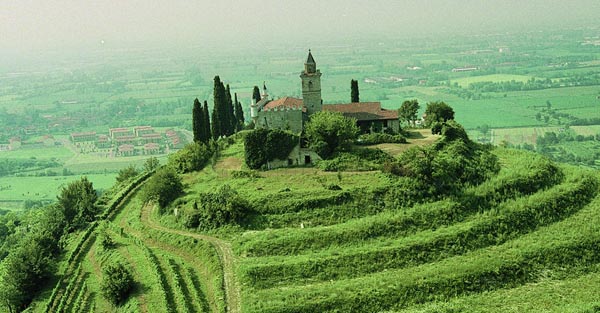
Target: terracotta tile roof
285	102
126	148
151	146
151	135
362	111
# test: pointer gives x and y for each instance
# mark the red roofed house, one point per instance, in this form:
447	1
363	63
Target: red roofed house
126	150
151	148
370	117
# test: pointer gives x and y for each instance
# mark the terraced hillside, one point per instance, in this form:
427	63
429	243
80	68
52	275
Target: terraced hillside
525	239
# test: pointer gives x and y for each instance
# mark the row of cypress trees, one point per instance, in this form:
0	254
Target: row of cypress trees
226	119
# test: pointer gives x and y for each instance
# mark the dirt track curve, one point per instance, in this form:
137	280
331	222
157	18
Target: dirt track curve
232	290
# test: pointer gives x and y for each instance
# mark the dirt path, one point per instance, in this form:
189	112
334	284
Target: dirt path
232	291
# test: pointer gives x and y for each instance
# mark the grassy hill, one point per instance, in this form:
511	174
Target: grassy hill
526	239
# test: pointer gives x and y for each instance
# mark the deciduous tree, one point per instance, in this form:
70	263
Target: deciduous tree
438	112
408	111
78	203
330	131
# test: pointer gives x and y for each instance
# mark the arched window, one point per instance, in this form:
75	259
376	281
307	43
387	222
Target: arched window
309	85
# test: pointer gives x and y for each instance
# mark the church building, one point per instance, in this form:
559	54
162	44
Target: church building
290	113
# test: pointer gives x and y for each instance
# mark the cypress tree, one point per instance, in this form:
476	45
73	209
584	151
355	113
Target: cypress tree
206	122
239	114
354	91
256	94
197	120
218	95
231	122
215	124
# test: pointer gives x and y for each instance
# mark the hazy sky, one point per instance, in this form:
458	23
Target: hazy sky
38	24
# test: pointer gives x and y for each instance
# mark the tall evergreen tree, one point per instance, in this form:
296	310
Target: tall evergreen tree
206	123
215	124
231	122
239	114
256	94
217	113
354	91
197	120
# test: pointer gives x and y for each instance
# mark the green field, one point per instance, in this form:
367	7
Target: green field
466	81
15	190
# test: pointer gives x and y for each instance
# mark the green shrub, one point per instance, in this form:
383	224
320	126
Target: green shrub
223	207
377	138
127	173
163	187
193	157
117	283
245	174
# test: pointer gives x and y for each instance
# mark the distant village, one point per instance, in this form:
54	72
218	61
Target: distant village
123	141
119	142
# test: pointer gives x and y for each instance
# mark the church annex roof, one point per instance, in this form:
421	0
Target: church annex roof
286	103
362	111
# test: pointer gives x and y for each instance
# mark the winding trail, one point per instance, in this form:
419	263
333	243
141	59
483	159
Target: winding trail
223	248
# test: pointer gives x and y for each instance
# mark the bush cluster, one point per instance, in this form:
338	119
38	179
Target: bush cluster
193	157
117	283
377	138
213	210
450	164
163	187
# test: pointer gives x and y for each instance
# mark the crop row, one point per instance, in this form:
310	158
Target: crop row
164	288
80	301
75	254
569	246
198	293
322	216
508	221
183	293
69	290
284	203
72	266
204	253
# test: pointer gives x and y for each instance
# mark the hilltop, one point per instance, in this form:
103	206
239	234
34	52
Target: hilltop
519	239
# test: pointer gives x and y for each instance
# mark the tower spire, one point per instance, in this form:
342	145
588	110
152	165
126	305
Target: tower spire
310	66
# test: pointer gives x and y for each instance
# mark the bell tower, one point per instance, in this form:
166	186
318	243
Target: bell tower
311	86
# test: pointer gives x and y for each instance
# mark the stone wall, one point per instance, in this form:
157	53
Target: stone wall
284	119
